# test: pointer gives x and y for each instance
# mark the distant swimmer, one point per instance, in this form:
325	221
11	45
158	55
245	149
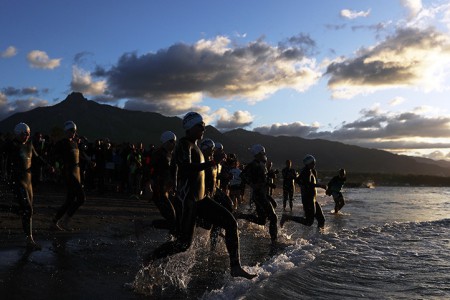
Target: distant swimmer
308	184
255	175
191	191
335	189
19	153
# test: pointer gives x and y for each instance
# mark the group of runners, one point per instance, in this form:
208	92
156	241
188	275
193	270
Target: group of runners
184	181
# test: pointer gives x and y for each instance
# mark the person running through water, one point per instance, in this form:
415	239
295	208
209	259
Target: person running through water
308	184
289	175
211	190
255	175
191	191
163	183
335	189
19	154
67	151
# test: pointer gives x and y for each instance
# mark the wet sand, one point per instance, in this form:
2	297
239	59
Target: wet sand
102	257
95	261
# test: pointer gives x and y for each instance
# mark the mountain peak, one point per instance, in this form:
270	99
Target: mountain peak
75	97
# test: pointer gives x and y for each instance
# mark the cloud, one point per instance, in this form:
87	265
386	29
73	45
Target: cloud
291	129
396	101
82	82
413	7
238	119
9	107
12	91
351	14
40	60
411	57
182	74
9	52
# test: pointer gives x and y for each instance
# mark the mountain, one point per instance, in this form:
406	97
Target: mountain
96	120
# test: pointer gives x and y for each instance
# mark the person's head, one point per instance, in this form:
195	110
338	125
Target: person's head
309	161
259	152
342	173
70	129
194	125
168	140
288	163
22	132
207	146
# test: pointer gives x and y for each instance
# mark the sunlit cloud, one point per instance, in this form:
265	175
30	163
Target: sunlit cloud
291	129
40	60
9	52
351	14
412	6
82	82
217	68
409	58
238	119
396	101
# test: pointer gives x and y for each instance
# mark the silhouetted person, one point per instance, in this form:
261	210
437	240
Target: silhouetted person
335	189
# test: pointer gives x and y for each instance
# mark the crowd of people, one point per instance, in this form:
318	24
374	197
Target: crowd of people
191	180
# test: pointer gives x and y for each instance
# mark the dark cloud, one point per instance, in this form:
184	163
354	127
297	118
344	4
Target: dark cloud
9	107
216	68
293	129
28	91
238	119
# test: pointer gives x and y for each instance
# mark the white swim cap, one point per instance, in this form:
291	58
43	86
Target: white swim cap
257	148
207	143
21	128
219	146
191	119
70	125
167	136
309	159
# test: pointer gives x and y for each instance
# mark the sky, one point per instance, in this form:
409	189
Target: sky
371	73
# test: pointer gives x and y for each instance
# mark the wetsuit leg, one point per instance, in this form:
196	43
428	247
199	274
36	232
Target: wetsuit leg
308	208
285	197
291	198
224	200
167	210
79	196
218	215
319	215
26	207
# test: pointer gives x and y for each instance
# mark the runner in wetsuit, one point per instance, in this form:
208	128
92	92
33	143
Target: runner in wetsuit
191	191
308	184
289	175
163	183
335	189
211	190
67	151
255	175
20	152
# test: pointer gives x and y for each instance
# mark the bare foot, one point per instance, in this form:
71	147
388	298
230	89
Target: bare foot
237	271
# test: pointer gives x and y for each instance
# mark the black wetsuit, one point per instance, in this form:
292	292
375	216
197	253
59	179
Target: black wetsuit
307	181
191	191
19	158
67	151
289	175
255	174
163	177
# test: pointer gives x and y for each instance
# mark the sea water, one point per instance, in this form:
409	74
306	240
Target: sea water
386	243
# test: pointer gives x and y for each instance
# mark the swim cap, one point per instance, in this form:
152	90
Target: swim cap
191	119
21	128
167	136
309	159
219	146
70	125
207	143
257	148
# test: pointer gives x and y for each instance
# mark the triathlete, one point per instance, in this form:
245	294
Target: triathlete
20	152
255	175
308	184
335	189
289	175
67	151
191	191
